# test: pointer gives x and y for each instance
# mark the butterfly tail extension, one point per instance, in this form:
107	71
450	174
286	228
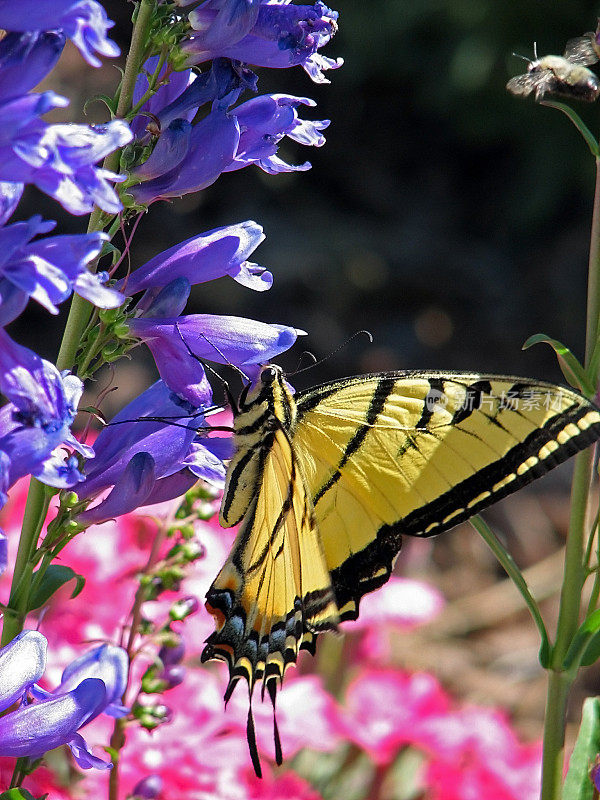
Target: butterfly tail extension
276	738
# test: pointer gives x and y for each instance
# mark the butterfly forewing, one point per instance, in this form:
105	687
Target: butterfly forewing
396	454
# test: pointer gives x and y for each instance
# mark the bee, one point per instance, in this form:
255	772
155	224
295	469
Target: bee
564	76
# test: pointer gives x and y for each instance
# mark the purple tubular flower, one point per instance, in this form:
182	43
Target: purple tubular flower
210	255
36	420
213	144
34	728
26	58
265	121
177	344
83	21
48	270
172	655
59	159
169	438
228	21
171	148
283	35
131	490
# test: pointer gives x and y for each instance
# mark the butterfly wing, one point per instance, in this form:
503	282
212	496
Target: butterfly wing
415	454
274	592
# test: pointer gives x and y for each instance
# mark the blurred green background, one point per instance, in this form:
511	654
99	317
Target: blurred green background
445	216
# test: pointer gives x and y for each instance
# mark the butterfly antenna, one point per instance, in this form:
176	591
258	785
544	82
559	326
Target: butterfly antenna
518	55
224	384
333	352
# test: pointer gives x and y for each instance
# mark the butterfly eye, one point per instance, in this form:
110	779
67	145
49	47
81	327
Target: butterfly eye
268	375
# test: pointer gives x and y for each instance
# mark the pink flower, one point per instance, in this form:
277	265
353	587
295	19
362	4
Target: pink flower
385	710
401	604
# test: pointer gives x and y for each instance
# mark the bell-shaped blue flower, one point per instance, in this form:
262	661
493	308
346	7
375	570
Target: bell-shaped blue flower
283	35
49	269
175	438
201	258
59	159
90	685
36	420
177	344
85	23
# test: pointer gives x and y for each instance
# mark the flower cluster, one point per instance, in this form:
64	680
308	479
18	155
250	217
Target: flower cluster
383	711
175	128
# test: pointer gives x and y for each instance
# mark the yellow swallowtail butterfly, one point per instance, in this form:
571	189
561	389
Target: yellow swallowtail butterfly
326	482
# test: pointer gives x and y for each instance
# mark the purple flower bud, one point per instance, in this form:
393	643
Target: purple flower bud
22	663
184	607
173	675
172	655
171	148
169	302
148	788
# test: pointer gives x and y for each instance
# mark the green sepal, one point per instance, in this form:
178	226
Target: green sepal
582	640
583	129
109	102
55	576
573	371
19	793
577	785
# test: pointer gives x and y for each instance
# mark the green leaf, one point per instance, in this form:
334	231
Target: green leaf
578	785
55	576
573	371
515	574
18	794
583	129
582	640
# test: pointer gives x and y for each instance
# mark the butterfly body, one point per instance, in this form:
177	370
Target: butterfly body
325	483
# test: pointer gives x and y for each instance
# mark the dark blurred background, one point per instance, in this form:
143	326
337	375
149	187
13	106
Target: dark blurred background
445	216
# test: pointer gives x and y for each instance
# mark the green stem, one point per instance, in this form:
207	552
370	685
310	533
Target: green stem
593	298
36	509
560	680
559	684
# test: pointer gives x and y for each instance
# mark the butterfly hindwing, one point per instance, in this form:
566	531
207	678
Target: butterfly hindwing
415	454
274	592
